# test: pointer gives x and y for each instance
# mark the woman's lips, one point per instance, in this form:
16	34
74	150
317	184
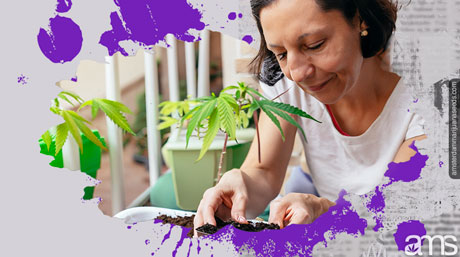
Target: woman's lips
320	86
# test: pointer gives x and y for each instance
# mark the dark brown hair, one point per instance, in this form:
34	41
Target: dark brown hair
379	15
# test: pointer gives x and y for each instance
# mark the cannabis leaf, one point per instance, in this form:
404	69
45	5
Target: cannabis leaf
114	110
213	128
283	110
46	137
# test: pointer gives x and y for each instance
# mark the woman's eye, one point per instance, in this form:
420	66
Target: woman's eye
281	56
315	46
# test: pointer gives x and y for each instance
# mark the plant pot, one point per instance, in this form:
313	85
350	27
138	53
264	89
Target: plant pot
191	178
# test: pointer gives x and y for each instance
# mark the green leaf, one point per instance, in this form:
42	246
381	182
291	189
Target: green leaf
231	101
47	139
272	117
114	114
204	98
253	91
61	135
213	128
252	108
244	119
288	108
94	110
73	95
77	116
72	126
55	110
56	102
228	88
190	113
89	102
226	117
89	134
66	99
204	112
168	107
167	122
288	118
118	106
183	107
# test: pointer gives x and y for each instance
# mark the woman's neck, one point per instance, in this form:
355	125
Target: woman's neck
356	111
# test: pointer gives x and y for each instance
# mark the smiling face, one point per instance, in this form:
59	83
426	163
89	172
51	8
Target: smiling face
318	50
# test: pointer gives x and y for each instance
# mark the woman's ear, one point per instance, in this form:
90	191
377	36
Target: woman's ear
362	24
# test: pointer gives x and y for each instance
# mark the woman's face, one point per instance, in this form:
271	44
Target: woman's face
318	50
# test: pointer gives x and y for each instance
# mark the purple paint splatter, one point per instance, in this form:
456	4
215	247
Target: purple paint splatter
181	240
63	6
240	15
376	205
166	237
415	101
248	39
75	79
407	171
62	41
147	241
148	22
440	164
300	239
232	16
405	229
23	80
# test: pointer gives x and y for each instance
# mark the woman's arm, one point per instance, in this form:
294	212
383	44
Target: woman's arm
405	152
266	178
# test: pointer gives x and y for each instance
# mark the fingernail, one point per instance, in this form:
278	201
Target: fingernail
241	219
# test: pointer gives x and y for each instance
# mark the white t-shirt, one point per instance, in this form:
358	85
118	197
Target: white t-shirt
354	163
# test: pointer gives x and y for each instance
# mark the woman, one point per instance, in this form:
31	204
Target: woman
322	56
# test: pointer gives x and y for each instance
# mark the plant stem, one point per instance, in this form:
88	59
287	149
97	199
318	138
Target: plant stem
256	121
224	151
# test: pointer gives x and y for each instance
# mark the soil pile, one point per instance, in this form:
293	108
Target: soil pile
187	222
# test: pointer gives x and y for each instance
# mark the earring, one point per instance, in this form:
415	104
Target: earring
364	33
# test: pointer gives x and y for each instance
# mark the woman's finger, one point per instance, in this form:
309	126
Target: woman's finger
223	212
238	211
197	222
301	216
208	206
277	212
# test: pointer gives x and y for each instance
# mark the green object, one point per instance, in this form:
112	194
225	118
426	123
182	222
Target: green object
90	159
191	178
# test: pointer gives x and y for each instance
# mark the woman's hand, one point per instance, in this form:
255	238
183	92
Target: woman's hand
297	208
226	200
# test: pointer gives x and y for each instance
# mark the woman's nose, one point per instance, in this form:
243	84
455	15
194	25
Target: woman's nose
300	69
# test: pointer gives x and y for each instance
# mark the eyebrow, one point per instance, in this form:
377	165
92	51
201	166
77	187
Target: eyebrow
298	39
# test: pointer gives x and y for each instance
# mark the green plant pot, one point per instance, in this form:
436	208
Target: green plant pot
191	178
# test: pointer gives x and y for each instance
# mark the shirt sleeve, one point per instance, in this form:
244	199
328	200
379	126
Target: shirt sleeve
415	127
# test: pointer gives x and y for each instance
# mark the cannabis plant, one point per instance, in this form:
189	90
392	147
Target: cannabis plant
75	124
210	114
